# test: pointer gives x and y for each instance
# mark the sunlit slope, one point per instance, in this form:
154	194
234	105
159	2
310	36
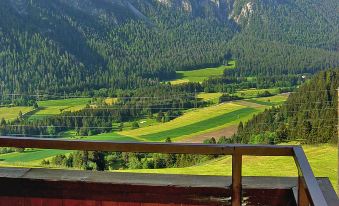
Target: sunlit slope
210	124
210	97
323	160
198	121
200	75
55	107
204	120
33	157
11	113
189	117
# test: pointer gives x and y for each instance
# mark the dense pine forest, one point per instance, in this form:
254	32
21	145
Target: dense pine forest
309	115
68	46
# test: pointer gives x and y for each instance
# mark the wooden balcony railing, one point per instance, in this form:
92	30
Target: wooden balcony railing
309	192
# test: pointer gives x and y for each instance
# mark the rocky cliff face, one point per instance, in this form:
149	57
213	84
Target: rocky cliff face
118	10
237	11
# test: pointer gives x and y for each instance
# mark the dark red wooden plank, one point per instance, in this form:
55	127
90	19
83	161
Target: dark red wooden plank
8	201
79	203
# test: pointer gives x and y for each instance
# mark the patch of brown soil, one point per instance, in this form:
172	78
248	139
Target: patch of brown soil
249	104
227	132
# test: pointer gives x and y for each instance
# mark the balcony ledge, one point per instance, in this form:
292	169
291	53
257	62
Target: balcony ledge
33	183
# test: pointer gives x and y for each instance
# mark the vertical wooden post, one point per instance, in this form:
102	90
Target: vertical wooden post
338	135
302	197
236	179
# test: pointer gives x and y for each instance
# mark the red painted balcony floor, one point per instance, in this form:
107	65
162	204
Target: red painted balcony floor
44	187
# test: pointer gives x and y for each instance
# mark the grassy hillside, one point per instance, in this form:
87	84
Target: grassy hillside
188	118
323	160
253	93
200	75
54	107
203	120
223	120
33	157
210	97
10	113
269	101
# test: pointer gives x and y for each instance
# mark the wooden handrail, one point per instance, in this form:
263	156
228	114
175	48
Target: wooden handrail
308	189
150	147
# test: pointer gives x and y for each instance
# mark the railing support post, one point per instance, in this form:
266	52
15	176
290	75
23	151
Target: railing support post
302	196
236	179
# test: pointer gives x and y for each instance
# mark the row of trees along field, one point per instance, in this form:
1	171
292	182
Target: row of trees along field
309	115
121	160
224	84
229	84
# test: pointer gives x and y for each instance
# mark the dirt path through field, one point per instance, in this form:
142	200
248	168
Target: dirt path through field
227	132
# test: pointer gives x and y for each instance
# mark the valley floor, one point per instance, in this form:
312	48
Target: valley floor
194	126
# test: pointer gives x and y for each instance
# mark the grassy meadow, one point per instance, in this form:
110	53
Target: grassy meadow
33	157
11	113
269	101
200	75
110	101
323	160
201	126
189	117
209	97
55	107
203	120
253	93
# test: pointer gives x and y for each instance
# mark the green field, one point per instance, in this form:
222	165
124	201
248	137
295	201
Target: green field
323	160
30	155
200	75
201	120
144	122
64	102
33	157
10	113
55	107
110	101
209	97
188	118
200	126
269	101
253	93
112	136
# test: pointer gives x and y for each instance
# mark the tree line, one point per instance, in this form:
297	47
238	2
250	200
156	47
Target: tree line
309	115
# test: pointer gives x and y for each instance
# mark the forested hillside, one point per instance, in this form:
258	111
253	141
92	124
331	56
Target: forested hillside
309	115
66	46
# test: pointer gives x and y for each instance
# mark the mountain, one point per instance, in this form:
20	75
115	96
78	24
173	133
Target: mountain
79	45
309	115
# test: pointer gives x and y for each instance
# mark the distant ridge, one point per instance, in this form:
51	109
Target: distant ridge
79	45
